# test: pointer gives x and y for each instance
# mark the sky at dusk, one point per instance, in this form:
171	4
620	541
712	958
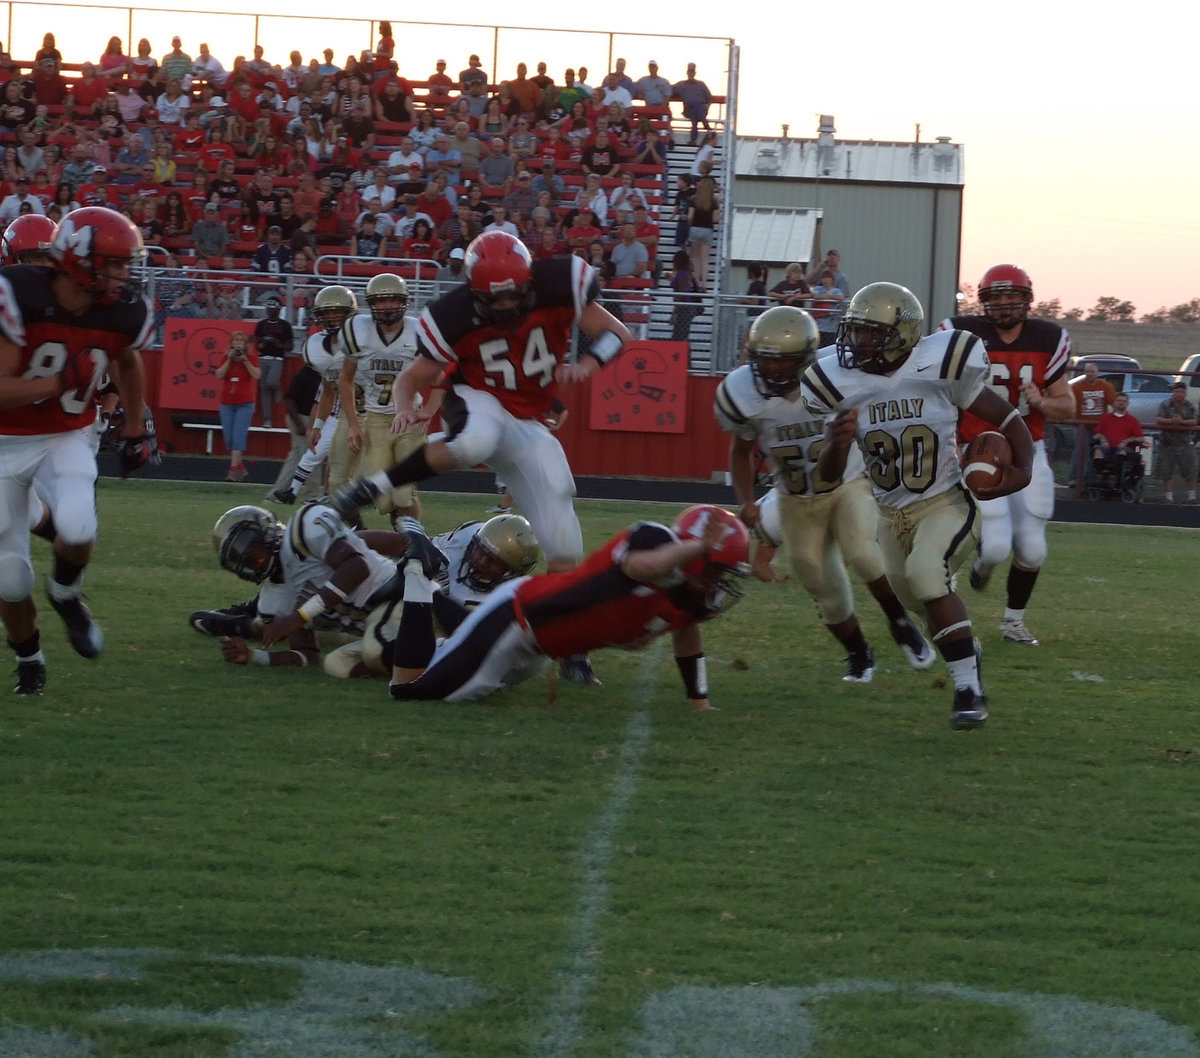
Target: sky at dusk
1081	134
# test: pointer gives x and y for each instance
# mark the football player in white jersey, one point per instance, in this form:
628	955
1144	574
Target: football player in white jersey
312	565
1029	369
898	396
378	347
826	525
474	559
323	352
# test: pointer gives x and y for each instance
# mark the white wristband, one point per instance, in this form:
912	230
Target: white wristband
318	424
607	346
259	657
312	607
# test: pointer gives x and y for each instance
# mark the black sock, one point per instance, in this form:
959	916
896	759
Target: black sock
66	573
414	639
414	468
30	648
1020	586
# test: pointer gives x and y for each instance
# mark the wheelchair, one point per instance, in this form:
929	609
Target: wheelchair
1116	475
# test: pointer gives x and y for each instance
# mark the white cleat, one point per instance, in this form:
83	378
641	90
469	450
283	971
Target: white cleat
1014	631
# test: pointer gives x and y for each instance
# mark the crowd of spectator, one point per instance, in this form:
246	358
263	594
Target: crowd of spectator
268	167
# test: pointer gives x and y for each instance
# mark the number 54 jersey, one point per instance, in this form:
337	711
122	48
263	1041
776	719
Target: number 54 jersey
907	420
515	365
786	429
48	337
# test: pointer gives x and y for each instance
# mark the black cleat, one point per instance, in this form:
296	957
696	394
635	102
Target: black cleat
220	623
918	651
860	667
86	638
421	549
287	496
31	677
578	669
352	498
969	711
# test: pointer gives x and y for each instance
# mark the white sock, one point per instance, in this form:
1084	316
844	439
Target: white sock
1013	615
965	673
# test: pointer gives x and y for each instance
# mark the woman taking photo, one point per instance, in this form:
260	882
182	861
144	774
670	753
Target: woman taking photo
239	374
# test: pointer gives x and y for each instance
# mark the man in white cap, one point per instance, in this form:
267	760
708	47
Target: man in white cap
451	274
653	90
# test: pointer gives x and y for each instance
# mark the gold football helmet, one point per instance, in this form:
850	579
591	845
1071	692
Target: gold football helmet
247	539
387	286
504	547
881	325
333	306
781	344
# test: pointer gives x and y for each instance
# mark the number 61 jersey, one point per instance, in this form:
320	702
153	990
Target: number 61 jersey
515	365
48	337
907	420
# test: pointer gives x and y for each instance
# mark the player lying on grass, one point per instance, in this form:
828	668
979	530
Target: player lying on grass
355	573
647	580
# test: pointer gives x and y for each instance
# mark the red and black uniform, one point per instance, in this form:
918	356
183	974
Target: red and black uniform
596	605
31	318
516	366
1038	354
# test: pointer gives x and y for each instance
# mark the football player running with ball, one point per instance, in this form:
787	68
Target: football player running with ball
826	525
1029	362
61	329
501	341
898	396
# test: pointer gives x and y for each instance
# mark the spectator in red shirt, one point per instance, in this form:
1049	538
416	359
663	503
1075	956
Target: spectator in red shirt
190	136
97	192
1117	433
422	244
49	87
89	92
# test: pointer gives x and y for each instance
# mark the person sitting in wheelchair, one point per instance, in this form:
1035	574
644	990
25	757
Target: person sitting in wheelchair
1117	439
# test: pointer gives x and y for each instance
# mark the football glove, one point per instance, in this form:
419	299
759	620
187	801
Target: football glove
134	453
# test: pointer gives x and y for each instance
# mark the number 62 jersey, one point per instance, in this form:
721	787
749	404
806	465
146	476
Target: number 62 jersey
515	365
49	337
907	420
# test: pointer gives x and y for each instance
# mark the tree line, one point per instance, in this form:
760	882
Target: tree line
1106	310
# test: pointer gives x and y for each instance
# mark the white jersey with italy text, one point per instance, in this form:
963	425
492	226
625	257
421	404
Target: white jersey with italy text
789	432
908	419
378	361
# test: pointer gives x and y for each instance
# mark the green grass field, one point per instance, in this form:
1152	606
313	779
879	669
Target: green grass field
203	860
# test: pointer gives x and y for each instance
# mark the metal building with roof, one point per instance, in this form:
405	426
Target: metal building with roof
893	210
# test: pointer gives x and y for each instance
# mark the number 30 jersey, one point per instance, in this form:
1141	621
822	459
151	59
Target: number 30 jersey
1039	354
786	429
48	337
515	365
907	420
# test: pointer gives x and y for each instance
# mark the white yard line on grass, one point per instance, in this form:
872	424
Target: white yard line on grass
563	1031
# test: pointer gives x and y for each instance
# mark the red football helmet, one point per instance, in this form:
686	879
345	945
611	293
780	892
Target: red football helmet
499	271
714	576
1006	279
102	251
27	240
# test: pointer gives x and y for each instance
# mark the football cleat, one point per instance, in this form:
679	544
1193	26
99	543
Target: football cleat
282	496
918	651
352	498
423	550
578	669
860	667
979	575
233	621
969	711
86	638
31	677
1014	631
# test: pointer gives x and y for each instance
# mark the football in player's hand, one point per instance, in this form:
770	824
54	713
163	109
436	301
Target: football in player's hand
984	460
